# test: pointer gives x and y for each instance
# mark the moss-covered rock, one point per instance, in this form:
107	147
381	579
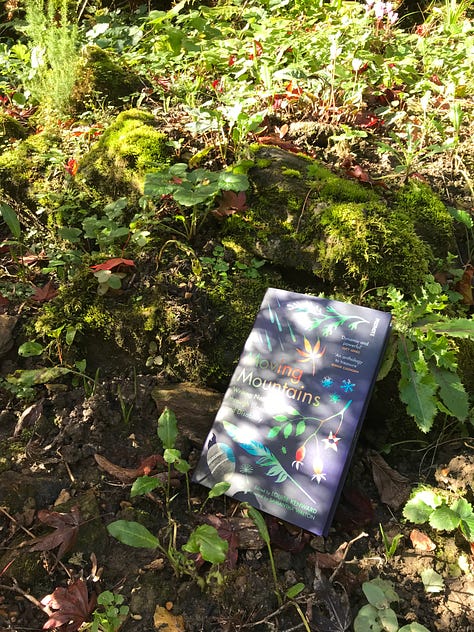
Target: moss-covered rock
128	149
100	78
10	129
304	217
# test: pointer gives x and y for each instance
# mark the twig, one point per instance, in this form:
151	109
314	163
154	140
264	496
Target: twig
346	551
268	617
20	591
15	521
302	210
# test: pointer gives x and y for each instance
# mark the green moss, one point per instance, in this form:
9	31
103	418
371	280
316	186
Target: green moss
99	76
291	173
372	245
330	186
128	149
10	129
429	216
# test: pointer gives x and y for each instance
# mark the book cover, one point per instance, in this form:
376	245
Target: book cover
284	435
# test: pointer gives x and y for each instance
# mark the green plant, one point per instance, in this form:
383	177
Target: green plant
390	545
204	540
294	590
110	614
53	37
442	510
422	342
377	615
195	190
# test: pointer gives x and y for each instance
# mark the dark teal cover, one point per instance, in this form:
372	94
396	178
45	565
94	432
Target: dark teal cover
284	435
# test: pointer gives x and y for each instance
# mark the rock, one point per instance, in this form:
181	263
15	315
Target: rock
7	325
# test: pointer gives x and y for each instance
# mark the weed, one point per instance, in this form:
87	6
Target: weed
109	615
390	545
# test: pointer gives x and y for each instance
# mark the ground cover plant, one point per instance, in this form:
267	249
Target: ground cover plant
160	167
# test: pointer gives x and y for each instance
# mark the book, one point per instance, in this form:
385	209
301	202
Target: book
284	435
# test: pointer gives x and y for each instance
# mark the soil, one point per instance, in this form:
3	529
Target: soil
57	469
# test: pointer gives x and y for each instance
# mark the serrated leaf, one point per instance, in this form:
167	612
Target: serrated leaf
144	485
417	511
206	541
462	508
455	327
133	534
417	386
444	519
452	392
467	527
167	428
432	581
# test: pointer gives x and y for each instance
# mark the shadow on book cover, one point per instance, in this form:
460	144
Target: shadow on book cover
287	426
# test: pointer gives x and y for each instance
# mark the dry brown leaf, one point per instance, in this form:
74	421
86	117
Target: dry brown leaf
421	542
393	487
167	622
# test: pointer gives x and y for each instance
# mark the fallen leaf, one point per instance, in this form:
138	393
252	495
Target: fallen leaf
230	203
110	264
421	542
29	417
360	174
166	621
273	139
464	285
72	607
393	487
66	527
45	293
330	560
127	474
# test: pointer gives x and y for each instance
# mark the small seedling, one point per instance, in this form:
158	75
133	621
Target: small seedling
110	616
390	545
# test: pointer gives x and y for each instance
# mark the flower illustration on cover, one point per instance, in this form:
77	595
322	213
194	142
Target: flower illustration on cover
318	469
331	441
311	353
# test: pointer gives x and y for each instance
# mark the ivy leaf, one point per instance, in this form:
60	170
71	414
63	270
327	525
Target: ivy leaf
452	392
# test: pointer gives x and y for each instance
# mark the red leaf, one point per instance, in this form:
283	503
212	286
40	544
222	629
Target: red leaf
71	166
72	607
128	474
273	139
45	293
360	174
3	301
110	264
65	535
230	203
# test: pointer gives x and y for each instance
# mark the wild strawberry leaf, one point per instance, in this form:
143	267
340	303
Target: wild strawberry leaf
71	605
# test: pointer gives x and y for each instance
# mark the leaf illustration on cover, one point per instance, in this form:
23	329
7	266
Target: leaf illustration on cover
266	457
311	353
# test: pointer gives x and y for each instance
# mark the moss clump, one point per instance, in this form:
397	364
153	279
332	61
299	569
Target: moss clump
129	148
99	75
429	216
26	164
371	244
10	129
330	186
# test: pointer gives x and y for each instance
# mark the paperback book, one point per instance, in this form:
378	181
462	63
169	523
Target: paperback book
285	432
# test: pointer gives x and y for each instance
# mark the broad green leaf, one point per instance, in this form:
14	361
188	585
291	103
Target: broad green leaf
375	595
181	465
133	534
294	591
300	428
70	234
432	581
417	386
413	627
167	428
70	334
389	620
171	455
367	619
206	541
287	430
144	485
218	489
114	281
417	511
274	432
462	508
11	220
452	392
29	349
37	376
461	216
444	519
467	527
455	327
229	181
